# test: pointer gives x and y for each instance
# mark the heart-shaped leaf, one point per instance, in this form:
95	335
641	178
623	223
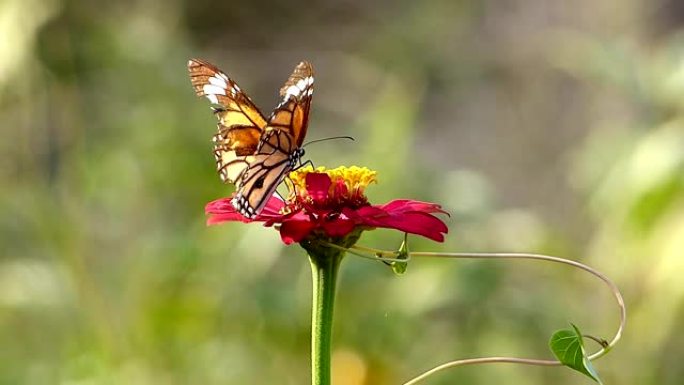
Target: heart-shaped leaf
568	347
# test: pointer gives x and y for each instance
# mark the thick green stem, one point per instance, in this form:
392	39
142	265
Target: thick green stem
324	268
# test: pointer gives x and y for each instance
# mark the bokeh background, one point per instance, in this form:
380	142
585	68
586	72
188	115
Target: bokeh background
542	126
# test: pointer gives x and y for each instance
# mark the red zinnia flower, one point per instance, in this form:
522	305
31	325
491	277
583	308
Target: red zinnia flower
331	203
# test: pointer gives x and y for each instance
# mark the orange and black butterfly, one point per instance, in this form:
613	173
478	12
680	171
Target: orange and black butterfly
253	152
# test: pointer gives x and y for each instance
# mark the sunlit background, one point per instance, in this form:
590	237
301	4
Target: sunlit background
542	126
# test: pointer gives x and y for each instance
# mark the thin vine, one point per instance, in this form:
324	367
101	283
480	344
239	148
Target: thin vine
391	256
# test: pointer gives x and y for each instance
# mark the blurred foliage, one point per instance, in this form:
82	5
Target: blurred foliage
553	127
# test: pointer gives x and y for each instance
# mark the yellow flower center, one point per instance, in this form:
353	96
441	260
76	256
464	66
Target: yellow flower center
355	178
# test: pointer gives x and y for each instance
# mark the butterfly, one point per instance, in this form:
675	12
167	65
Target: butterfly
253	152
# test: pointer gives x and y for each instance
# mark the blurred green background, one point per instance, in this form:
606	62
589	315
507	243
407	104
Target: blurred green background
542	126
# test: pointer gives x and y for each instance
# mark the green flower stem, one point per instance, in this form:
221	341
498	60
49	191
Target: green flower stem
324	269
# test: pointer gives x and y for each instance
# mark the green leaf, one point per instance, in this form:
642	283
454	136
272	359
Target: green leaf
568	347
399	268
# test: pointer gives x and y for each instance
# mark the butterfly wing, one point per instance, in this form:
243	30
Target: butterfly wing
279	146
267	168
240	123
292	114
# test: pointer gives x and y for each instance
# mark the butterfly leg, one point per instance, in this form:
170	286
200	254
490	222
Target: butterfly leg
302	165
291	189
280	195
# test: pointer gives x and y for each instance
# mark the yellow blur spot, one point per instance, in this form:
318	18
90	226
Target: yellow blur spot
349	368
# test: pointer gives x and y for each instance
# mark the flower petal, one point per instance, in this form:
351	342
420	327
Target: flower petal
222	210
410	205
294	230
218	205
273	208
318	186
419	223
340	189
404	217
338	227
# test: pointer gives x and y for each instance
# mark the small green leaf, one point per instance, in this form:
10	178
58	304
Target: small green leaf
399	268
568	347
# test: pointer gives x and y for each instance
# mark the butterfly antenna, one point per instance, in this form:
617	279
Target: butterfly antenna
331	138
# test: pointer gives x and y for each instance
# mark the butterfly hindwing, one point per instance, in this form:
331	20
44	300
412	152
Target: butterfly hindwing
270	166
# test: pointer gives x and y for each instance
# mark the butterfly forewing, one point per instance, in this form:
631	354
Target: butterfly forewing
240	123
236	108
275	140
292	114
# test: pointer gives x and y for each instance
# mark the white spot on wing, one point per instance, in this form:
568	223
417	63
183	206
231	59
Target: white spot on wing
210	89
212	98
292	91
218	81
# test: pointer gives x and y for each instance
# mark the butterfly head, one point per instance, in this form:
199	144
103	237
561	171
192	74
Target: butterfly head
295	157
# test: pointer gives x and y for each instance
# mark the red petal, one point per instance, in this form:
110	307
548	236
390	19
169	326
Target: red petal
405	218
340	189
296	216
216	219
221	210
419	223
272	209
410	205
318	185
292	231
339	227
218	205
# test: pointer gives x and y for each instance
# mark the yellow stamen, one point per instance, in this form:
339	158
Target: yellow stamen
355	178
